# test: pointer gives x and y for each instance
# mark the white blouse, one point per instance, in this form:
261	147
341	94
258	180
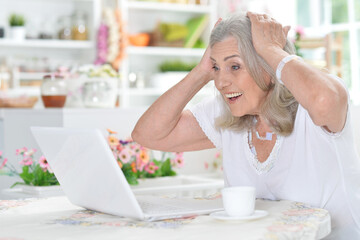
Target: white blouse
309	166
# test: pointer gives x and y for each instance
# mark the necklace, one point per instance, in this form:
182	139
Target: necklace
268	136
262	167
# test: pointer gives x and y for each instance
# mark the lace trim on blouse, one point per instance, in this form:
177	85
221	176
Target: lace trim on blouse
266	166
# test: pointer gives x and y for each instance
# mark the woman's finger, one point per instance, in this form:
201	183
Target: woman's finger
286	30
217	22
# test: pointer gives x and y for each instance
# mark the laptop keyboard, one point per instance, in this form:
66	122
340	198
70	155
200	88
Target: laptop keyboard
151	207
159	205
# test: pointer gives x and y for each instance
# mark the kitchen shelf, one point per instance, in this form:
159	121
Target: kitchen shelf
25	76
60	44
174	7
166	51
159	91
19	91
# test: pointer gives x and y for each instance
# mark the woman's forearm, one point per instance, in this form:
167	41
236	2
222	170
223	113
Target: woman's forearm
162	116
320	94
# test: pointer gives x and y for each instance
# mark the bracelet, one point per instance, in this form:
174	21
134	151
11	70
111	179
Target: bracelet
282	64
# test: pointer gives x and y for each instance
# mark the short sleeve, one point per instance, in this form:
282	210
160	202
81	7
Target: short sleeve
346	125
205	113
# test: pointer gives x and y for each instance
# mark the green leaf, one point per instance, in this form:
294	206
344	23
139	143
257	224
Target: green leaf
130	176
26	176
166	168
17	183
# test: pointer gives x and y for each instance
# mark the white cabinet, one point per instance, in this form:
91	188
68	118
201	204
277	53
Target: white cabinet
139	16
42	16
143	62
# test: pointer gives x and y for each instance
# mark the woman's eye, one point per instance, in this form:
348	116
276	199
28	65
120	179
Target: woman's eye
215	68
235	67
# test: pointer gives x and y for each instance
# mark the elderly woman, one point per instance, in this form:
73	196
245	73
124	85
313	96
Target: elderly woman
283	126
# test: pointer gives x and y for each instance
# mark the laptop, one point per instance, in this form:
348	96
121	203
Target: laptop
87	171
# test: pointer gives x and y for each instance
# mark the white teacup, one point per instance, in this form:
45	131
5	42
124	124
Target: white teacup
239	201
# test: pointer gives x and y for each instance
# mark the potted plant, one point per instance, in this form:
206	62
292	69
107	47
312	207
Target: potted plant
171	72
17	26
36	175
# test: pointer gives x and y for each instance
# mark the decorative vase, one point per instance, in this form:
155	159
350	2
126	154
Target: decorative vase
17	33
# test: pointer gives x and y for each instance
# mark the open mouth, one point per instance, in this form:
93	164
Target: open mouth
233	96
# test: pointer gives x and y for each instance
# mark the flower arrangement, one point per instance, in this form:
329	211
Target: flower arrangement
137	161
35	173
299	33
215	164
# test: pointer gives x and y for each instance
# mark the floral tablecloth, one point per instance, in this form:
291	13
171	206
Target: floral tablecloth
57	218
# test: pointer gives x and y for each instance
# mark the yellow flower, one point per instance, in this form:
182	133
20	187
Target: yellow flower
144	157
113	141
133	167
120	164
111	131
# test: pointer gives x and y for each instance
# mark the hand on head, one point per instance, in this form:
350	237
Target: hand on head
205	64
267	33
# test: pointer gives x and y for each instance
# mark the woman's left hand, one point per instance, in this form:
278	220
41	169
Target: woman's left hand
267	33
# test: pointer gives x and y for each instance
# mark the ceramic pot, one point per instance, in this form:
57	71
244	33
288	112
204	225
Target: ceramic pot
17	33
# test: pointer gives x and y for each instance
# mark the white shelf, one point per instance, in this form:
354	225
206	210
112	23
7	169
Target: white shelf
145	91
189	8
60	44
32	76
166	51
159	91
28	91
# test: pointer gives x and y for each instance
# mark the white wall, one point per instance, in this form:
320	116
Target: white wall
355	118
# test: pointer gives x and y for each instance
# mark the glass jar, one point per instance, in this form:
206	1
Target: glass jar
98	94
64	32
79	29
53	91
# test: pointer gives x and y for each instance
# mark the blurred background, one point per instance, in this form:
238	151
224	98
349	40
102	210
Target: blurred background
101	63
147	46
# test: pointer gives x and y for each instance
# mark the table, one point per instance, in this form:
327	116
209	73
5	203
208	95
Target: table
57	218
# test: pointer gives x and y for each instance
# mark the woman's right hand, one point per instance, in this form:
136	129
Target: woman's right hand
205	66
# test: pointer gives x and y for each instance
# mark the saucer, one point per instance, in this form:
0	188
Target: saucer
222	215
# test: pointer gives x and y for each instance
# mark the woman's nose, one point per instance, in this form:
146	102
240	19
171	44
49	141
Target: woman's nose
222	81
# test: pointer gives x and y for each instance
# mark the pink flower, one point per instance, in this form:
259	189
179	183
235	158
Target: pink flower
178	161
27	161
140	164
300	30
206	165
30	153
43	163
3	163
119	148
136	148
21	151
125	156
217	155
151	168
1	153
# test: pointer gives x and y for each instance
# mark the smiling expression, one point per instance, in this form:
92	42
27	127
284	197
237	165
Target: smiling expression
238	88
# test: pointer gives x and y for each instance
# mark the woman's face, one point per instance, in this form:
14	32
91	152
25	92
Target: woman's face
233	81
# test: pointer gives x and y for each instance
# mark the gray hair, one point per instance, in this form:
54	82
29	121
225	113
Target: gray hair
280	106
